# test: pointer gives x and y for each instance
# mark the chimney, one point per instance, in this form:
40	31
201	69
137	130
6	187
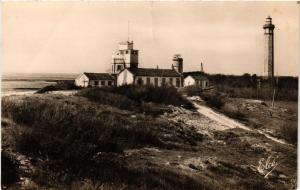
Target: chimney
202	67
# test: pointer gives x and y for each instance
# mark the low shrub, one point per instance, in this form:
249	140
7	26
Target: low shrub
162	95
192	90
9	168
108	98
90	185
28	143
60	85
71	131
120	101
254	87
233	112
214	100
290	133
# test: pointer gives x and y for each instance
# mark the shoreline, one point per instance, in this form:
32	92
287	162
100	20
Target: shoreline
31	92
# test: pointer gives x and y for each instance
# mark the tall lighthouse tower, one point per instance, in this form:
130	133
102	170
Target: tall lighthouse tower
269	48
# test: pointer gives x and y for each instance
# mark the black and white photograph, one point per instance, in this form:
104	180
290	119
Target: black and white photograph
149	95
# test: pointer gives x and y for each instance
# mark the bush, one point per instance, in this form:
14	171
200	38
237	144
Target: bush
162	95
71	131
144	99
213	100
120	101
290	133
108	98
28	143
9	167
248	86
233	112
192	90
60	85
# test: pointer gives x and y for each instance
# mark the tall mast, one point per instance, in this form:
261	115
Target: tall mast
128	31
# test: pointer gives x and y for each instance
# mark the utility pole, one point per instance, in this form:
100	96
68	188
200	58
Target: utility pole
275	83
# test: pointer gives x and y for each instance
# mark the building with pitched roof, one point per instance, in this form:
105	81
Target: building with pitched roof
125	71
147	76
94	80
196	78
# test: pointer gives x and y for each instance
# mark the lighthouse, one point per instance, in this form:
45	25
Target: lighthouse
269	48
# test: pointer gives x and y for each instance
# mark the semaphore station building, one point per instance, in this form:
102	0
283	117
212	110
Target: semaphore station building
125	70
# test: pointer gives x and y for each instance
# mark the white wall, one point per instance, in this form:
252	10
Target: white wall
124	77
82	81
188	81
125	46
160	79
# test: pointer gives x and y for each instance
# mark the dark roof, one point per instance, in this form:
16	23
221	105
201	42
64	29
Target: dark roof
99	76
154	72
193	73
198	75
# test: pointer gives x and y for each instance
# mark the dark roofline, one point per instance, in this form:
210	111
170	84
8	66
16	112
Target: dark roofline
151	72
99	76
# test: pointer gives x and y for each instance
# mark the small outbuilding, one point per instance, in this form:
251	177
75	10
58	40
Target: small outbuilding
94	80
147	76
196	78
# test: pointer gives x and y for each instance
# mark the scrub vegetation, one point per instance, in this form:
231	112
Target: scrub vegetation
134	137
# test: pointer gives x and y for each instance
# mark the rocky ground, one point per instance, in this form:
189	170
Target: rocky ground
245	148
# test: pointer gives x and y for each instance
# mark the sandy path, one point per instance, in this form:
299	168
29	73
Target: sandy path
228	123
224	121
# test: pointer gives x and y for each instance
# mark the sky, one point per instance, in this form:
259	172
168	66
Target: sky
75	37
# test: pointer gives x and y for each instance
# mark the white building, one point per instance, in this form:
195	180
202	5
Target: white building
196	78
146	76
94	80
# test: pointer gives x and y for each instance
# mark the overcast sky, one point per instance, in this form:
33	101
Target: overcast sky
73	37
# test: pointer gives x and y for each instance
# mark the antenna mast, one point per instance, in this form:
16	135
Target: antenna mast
128	30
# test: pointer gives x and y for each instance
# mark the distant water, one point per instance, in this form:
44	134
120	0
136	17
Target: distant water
26	83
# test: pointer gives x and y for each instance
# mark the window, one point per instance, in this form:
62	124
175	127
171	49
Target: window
119	67
102	83
171	81
96	83
148	80
139	81
126	51
155	81
205	84
163	81
177	82
109	83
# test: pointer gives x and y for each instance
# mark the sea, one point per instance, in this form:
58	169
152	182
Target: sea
29	83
